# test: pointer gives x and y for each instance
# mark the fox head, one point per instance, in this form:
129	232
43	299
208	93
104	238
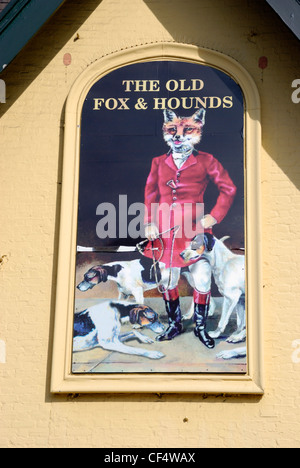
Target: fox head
183	133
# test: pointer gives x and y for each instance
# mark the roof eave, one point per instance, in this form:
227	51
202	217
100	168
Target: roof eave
19	22
289	12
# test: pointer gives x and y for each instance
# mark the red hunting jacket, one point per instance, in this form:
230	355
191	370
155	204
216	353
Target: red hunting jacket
171	195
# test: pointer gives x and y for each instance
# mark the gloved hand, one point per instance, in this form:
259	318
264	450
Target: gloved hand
208	221
151	232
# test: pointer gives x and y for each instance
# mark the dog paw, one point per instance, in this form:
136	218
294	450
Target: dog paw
146	339
155	355
142	338
236	338
215	334
229	354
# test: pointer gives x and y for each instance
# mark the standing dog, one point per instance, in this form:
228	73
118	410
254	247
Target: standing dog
228	270
100	325
132	277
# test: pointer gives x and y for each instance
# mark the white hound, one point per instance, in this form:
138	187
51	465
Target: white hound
100	325
132	277
228	270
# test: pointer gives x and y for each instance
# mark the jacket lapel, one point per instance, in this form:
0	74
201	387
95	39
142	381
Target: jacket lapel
191	160
169	161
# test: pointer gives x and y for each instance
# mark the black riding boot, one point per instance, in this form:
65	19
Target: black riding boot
174	315
200	317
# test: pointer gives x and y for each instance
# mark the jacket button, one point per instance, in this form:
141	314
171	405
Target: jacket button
174	198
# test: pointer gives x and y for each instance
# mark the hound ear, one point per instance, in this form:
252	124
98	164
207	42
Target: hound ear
142	315
104	276
199	116
102	273
133	316
169	115
209	241
135	313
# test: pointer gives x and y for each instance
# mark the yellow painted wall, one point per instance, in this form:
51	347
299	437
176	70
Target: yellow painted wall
31	139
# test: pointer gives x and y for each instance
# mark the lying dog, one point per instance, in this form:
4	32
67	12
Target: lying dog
132	277
228	270
100	325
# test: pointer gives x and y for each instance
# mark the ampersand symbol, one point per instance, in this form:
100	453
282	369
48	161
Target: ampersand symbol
141	104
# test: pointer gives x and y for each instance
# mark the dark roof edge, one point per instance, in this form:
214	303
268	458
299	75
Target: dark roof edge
289	12
19	22
10	12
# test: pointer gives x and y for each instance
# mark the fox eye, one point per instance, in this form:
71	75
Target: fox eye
189	129
172	130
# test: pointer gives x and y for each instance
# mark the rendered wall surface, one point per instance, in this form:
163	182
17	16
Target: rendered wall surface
31	142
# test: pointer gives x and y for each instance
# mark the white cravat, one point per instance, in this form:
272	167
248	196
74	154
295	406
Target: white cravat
180	158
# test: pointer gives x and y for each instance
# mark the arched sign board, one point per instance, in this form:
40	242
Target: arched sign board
161	269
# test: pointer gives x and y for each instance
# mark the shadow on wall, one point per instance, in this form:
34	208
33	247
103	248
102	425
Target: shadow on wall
33	58
202	22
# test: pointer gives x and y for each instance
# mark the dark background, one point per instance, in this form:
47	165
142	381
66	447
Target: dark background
117	146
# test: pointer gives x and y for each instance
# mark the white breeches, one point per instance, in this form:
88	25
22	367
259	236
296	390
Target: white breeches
198	276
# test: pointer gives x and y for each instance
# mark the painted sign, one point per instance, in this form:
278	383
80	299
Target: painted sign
160	268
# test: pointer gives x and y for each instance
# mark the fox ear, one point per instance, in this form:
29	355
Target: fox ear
169	115
199	116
